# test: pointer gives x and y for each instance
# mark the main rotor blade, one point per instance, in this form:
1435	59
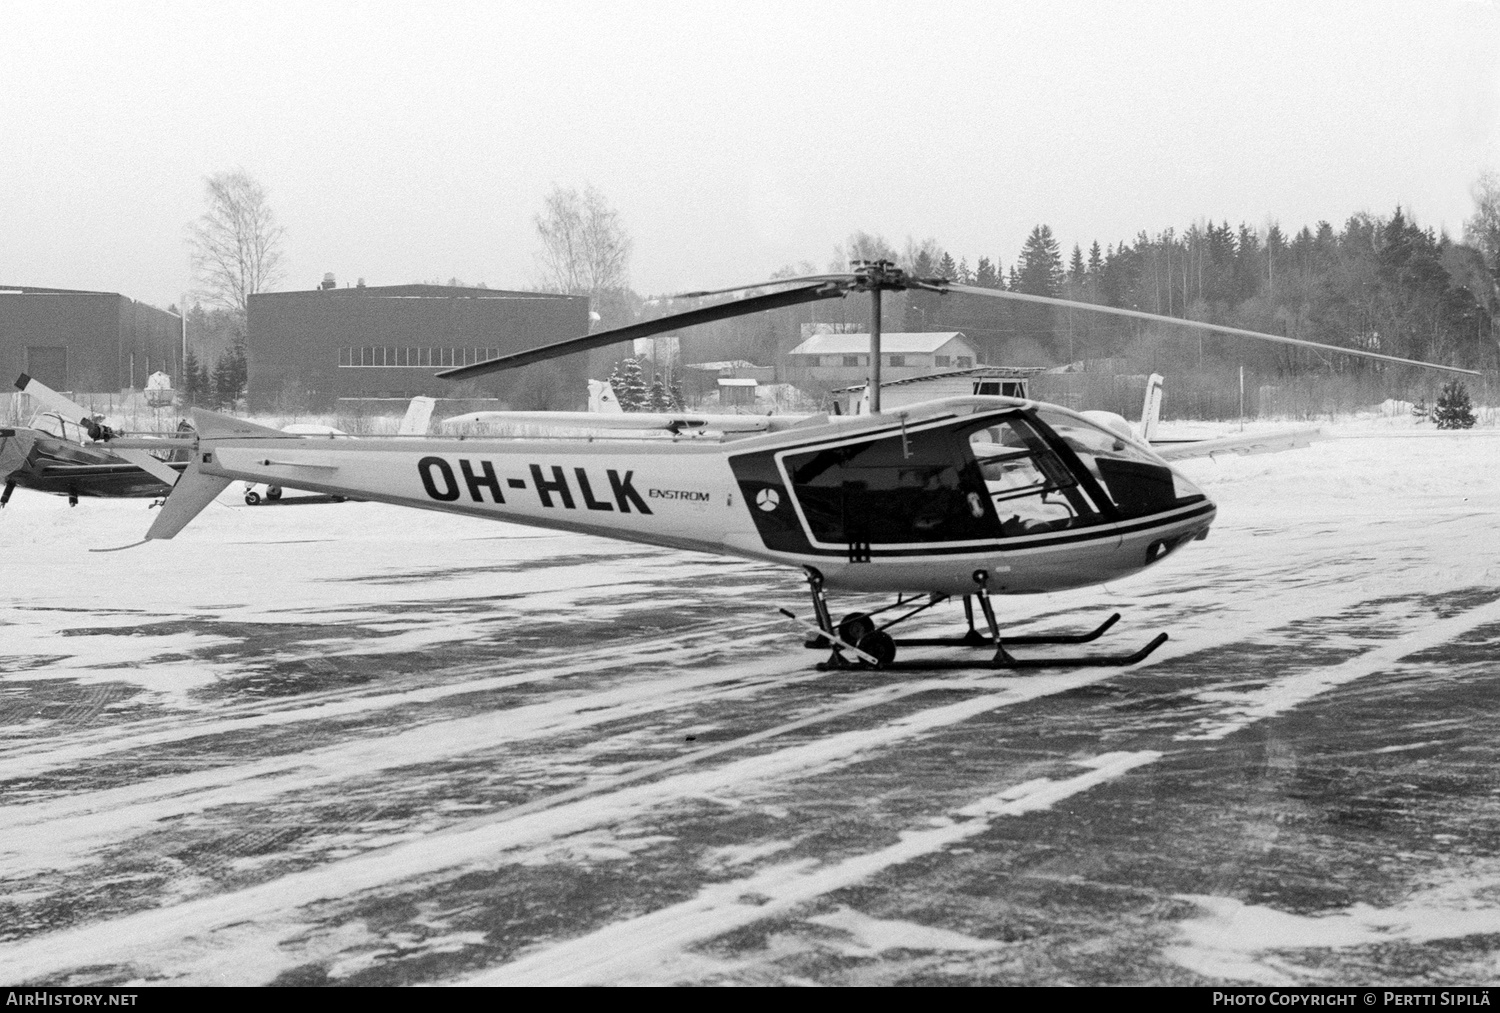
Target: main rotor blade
992	293
71	410
774	282
705	315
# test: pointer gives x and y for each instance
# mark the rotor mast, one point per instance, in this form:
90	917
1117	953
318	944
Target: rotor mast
875	276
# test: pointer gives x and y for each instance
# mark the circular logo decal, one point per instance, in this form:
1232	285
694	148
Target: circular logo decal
768	499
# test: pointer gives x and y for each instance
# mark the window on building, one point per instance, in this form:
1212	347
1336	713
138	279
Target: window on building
407	358
897	360
854	360
942	360
964	361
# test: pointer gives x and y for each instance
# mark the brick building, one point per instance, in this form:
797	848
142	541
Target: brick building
391	340
75	340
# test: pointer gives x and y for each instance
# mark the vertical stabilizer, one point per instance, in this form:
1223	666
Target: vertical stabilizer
418	417
193	491
1151	409
602	397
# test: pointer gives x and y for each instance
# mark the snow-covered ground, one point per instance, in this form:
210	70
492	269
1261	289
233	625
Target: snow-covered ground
353	743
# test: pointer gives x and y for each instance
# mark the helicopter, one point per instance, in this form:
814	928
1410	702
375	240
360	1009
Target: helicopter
968	497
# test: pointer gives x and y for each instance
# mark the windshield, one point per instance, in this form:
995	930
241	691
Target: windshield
1031	488
1137	482
53	425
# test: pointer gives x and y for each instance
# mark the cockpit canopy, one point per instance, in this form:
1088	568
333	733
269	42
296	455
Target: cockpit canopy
54	424
1014	473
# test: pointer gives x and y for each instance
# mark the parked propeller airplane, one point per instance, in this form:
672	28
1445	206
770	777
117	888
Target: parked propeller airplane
964	496
55	454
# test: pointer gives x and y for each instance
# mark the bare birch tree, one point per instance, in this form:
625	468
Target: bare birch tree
236	243
585	249
1483	230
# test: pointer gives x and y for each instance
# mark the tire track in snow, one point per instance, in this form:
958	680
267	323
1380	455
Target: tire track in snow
41	755
1284	694
477	843
629	952
480	842
632	951
81	821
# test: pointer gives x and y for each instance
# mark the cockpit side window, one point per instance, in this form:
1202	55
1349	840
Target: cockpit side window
916	487
1031	489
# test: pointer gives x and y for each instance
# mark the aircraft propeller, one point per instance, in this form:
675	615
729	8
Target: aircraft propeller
97	432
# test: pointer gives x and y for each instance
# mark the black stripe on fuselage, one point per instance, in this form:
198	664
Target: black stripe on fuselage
1088	534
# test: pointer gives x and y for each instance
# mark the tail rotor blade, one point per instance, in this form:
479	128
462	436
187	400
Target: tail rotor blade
994	293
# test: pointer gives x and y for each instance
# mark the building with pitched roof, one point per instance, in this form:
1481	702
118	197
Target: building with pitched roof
841	359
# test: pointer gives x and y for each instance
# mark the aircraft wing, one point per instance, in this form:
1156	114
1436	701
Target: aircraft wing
15	450
1257	443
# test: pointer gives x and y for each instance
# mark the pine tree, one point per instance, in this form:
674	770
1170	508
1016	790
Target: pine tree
657	400
1075	266
1454	409
946	268
1041	270
631	388
616	381
986	275
191	367
675	393
230	374
204	384
965	275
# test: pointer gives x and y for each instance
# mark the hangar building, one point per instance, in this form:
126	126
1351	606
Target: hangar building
85	341
391	340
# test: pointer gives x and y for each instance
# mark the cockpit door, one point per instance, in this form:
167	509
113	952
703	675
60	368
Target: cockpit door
903	490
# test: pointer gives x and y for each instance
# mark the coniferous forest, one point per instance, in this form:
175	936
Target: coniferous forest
1381	283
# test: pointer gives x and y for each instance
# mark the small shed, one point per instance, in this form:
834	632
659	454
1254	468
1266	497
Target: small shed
737	391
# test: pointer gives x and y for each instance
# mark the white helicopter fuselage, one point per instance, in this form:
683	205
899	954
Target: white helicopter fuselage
917	501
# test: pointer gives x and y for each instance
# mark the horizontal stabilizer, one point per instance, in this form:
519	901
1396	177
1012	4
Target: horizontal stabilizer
193	491
1260	443
213	426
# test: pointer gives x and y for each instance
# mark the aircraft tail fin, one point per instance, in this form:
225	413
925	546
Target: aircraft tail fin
212	425
418	417
193	491
602	397
1151	409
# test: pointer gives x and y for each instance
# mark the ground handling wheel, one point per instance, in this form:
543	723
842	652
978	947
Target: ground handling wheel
879	646
855	626
273	492
252	498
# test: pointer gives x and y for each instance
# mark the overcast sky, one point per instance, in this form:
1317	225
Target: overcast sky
406	142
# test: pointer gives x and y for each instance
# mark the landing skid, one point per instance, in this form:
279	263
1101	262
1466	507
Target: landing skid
858	641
